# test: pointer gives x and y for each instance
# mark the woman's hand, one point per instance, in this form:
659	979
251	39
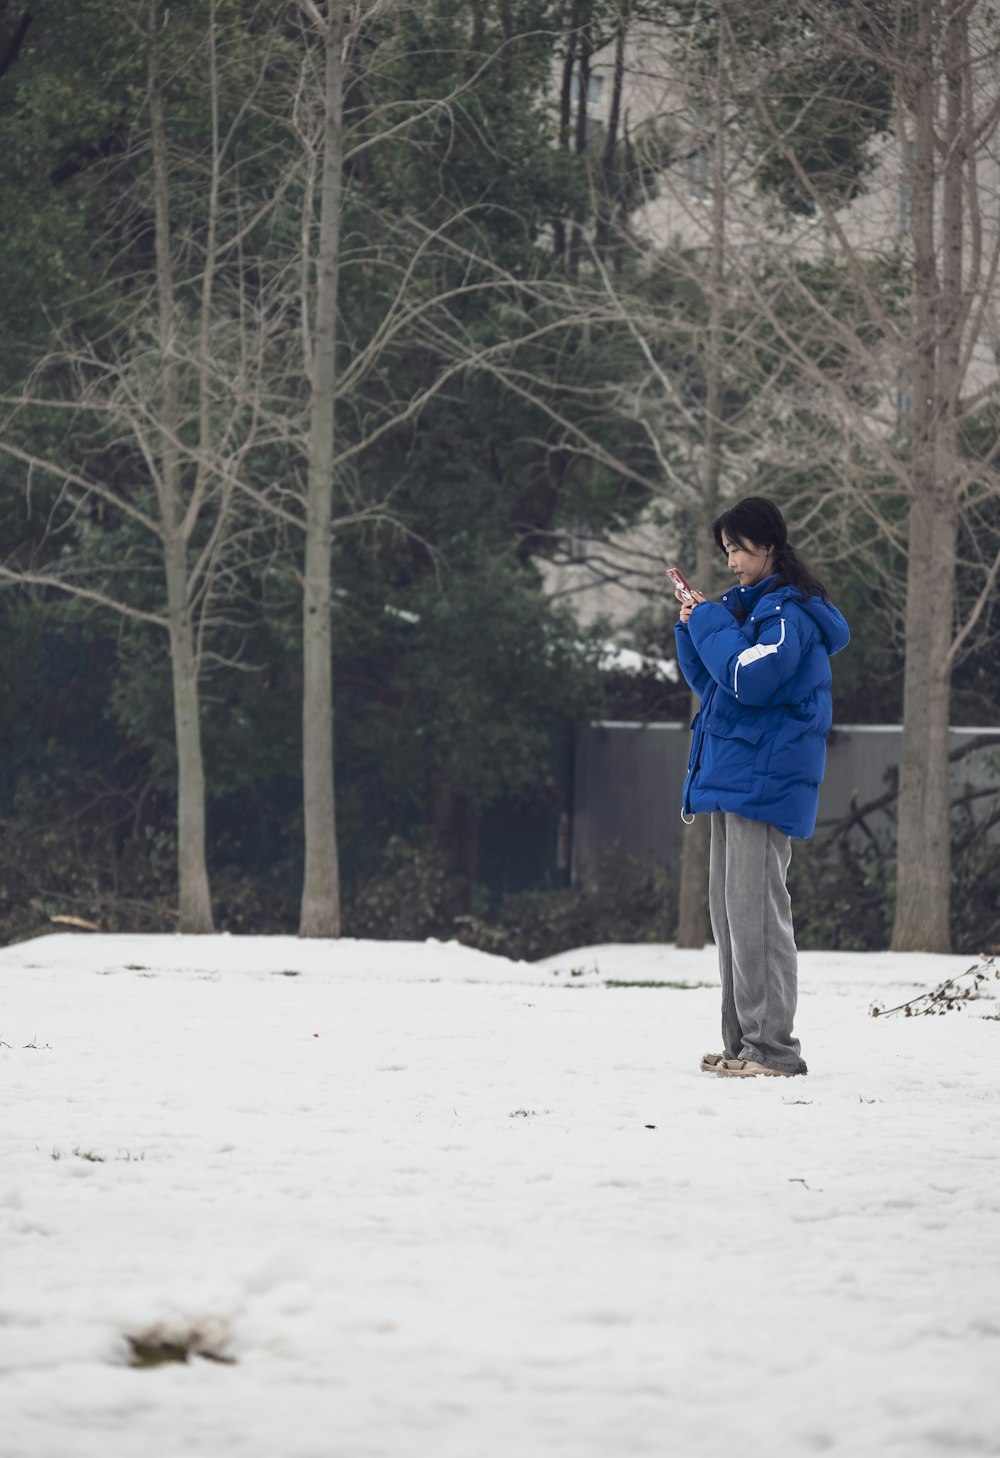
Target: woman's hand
687	606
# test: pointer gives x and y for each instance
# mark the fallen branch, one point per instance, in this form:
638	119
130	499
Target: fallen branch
947	995
78	921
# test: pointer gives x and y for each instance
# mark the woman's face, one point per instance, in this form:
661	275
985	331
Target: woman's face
747	561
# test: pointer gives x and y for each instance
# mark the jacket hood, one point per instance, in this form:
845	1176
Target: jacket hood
830	620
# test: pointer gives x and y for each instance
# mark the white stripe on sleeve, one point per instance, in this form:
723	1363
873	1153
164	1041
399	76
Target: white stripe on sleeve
751	655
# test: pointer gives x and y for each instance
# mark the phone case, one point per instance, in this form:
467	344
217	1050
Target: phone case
680	581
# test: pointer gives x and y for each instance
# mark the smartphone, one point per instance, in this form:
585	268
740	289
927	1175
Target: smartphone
680	582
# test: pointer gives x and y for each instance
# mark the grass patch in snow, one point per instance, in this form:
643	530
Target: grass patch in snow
288	972
88	1154
92	1157
651	982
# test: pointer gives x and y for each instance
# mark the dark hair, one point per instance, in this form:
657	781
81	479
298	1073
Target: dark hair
756	521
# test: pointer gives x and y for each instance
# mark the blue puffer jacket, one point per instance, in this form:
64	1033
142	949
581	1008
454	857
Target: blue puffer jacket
760	662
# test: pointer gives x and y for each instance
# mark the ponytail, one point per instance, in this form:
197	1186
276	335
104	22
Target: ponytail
794	571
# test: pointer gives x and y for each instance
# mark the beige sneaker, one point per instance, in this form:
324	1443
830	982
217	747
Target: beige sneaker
744	1068
710	1062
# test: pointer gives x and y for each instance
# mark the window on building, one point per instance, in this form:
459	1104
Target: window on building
578	544
697	166
594	130
595	86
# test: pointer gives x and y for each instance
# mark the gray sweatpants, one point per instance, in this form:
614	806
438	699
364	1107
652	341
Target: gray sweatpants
752	924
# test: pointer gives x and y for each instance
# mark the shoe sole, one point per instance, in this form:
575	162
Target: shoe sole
753	1070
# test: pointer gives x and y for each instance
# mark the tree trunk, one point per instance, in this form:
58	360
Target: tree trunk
923	865
608	195
195	906
923	875
320	910
566	119
585	54
692	910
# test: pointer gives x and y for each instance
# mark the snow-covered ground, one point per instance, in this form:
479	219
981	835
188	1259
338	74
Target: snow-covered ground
435	1204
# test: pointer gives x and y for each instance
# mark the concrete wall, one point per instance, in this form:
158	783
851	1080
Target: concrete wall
628	780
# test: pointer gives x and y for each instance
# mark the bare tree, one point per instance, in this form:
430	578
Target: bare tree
177	517
164	411
220	380
432	273
943	162
320	912
692	912
928	485
873	323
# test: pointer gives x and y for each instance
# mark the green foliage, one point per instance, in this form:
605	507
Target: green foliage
450	666
843	893
814	88
451	701
470	666
974	694
843	886
975	912
66	106
414	896
868	675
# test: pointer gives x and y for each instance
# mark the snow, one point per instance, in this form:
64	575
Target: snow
432	1202
628	660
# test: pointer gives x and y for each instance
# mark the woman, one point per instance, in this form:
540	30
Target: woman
759	660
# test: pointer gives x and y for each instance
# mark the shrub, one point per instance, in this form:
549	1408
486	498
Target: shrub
843	888
412	896
627	902
843	893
